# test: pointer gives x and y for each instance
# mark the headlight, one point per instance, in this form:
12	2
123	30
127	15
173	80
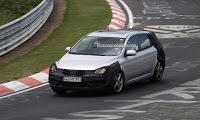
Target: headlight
53	68
100	71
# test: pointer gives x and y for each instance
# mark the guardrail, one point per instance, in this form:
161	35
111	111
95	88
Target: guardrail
18	31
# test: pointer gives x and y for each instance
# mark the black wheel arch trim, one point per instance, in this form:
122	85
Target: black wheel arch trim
157	44
115	68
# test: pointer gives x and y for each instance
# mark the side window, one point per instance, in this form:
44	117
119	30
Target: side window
132	44
144	41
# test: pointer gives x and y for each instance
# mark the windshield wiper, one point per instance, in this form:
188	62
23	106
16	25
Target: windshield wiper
88	54
97	54
73	53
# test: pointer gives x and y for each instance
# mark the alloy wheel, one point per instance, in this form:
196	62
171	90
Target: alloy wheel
159	71
118	82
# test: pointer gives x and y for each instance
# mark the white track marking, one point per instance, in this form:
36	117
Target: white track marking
43	77
192	83
120	17
15	85
130	14
118	22
115	5
98	115
16	93
113	26
146	102
157	31
175	31
116	9
183	66
162	9
182	92
119	13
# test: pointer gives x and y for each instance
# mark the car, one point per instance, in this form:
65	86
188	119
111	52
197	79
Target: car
109	59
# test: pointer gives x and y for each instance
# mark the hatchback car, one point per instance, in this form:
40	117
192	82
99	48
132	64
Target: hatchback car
109	59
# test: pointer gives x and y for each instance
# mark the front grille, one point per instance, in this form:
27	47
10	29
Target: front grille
73	85
95	84
74	72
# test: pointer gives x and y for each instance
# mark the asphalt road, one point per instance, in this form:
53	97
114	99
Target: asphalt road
175	98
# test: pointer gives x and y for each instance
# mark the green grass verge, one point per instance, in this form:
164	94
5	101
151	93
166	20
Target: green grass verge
13	9
80	18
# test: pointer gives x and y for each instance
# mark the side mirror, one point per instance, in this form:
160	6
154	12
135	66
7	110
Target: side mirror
130	53
67	48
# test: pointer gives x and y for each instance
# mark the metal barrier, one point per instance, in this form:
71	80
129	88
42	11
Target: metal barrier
18	31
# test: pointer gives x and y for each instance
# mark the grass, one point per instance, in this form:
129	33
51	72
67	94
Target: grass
13	9
80	18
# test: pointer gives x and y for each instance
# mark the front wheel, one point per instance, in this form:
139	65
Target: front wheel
118	82
158	72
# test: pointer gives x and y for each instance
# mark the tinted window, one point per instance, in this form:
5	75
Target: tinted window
144	41
132	44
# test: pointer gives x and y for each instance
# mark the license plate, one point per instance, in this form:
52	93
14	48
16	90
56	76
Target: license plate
72	79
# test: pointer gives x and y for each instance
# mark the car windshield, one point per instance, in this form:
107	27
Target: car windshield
101	46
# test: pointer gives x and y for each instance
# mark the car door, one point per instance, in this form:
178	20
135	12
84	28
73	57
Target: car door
132	64
148	54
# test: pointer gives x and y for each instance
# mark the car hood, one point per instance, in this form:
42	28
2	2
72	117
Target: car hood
84	62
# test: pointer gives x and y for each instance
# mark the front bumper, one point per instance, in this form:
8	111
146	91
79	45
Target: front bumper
89	79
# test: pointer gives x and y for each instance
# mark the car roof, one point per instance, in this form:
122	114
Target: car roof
116	33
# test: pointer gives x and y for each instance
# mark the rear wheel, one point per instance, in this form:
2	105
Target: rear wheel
158	72
58	90
118	82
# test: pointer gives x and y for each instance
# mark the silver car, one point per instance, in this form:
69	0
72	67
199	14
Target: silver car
108	59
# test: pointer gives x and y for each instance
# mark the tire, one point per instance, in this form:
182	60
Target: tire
58	90
158	72
118	82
